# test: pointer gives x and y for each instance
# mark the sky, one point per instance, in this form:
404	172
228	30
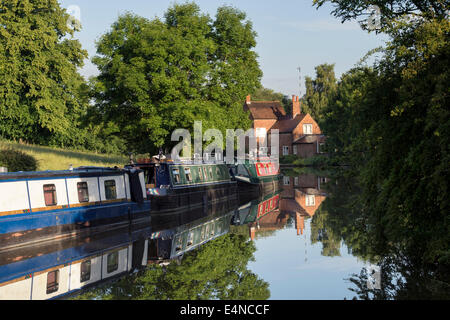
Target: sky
290	34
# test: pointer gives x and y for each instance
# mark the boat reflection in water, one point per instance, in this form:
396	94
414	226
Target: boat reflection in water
60	268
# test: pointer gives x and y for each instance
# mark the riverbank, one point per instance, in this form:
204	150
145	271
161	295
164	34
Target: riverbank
60	159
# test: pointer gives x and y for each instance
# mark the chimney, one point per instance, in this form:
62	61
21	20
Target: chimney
296	110
249	99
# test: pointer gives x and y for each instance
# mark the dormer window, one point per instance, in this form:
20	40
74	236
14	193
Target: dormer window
307	128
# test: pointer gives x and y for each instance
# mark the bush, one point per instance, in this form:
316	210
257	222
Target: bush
16	160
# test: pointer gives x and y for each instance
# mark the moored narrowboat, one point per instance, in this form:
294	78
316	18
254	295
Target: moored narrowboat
256	209
38	206
175	187
260	175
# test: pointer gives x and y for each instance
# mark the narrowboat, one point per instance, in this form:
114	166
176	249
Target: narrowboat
256	209
175	187
48	271
169	244
42	206
260	175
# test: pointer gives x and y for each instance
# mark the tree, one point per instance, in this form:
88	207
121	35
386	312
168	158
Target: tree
217	270
40	86
389	9
319	90
160	75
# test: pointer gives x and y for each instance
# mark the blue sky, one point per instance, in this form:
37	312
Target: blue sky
291	34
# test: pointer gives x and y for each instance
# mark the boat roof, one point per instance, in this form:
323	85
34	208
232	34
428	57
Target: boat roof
76	172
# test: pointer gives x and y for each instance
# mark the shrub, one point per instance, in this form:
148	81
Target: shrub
16	160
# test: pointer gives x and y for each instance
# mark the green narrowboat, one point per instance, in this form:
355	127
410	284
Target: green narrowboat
174	187
256	209
173	243
260	175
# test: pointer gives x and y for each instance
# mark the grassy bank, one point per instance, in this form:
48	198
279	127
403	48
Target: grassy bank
60	159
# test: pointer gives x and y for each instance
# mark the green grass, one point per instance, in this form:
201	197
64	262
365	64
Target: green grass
60	159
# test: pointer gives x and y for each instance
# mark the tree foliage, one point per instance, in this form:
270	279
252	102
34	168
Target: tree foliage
391	122
217	270
40	86
319	90
159	75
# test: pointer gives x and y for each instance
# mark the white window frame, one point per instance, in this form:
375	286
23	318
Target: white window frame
285	150
308	128
310	200
296	181
286	180
294	149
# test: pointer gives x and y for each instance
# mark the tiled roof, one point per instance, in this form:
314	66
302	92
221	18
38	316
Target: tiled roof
310	138
266	109
288	125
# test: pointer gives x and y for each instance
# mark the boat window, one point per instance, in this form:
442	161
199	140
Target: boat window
176	175
210	173
190	241
110	190
85	271
113	262
50	195
218	173
200	174
187	172
52	281
83	192
179	243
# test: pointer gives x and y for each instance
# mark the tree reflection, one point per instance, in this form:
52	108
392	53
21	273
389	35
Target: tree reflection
406	271
217	270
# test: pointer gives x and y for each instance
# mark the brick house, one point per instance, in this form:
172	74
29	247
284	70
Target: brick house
299	133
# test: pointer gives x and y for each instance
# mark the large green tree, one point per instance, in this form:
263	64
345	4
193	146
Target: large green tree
40	87
162	74
319	90
391	123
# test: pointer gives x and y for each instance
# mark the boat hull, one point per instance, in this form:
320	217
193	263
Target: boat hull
182	199
30	228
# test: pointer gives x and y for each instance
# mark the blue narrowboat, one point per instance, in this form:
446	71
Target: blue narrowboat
39	206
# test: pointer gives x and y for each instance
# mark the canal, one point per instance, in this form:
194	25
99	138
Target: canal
306	241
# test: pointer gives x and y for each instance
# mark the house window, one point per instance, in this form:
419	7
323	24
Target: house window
85	271
286	181
83	192
307	128
110	190
52	281
285	150
176	175
187	172
113	262
296	181
310	200
294	149
50	195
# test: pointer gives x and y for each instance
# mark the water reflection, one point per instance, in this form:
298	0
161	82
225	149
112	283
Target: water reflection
309	240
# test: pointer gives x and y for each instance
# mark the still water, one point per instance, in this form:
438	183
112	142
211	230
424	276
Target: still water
284	245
